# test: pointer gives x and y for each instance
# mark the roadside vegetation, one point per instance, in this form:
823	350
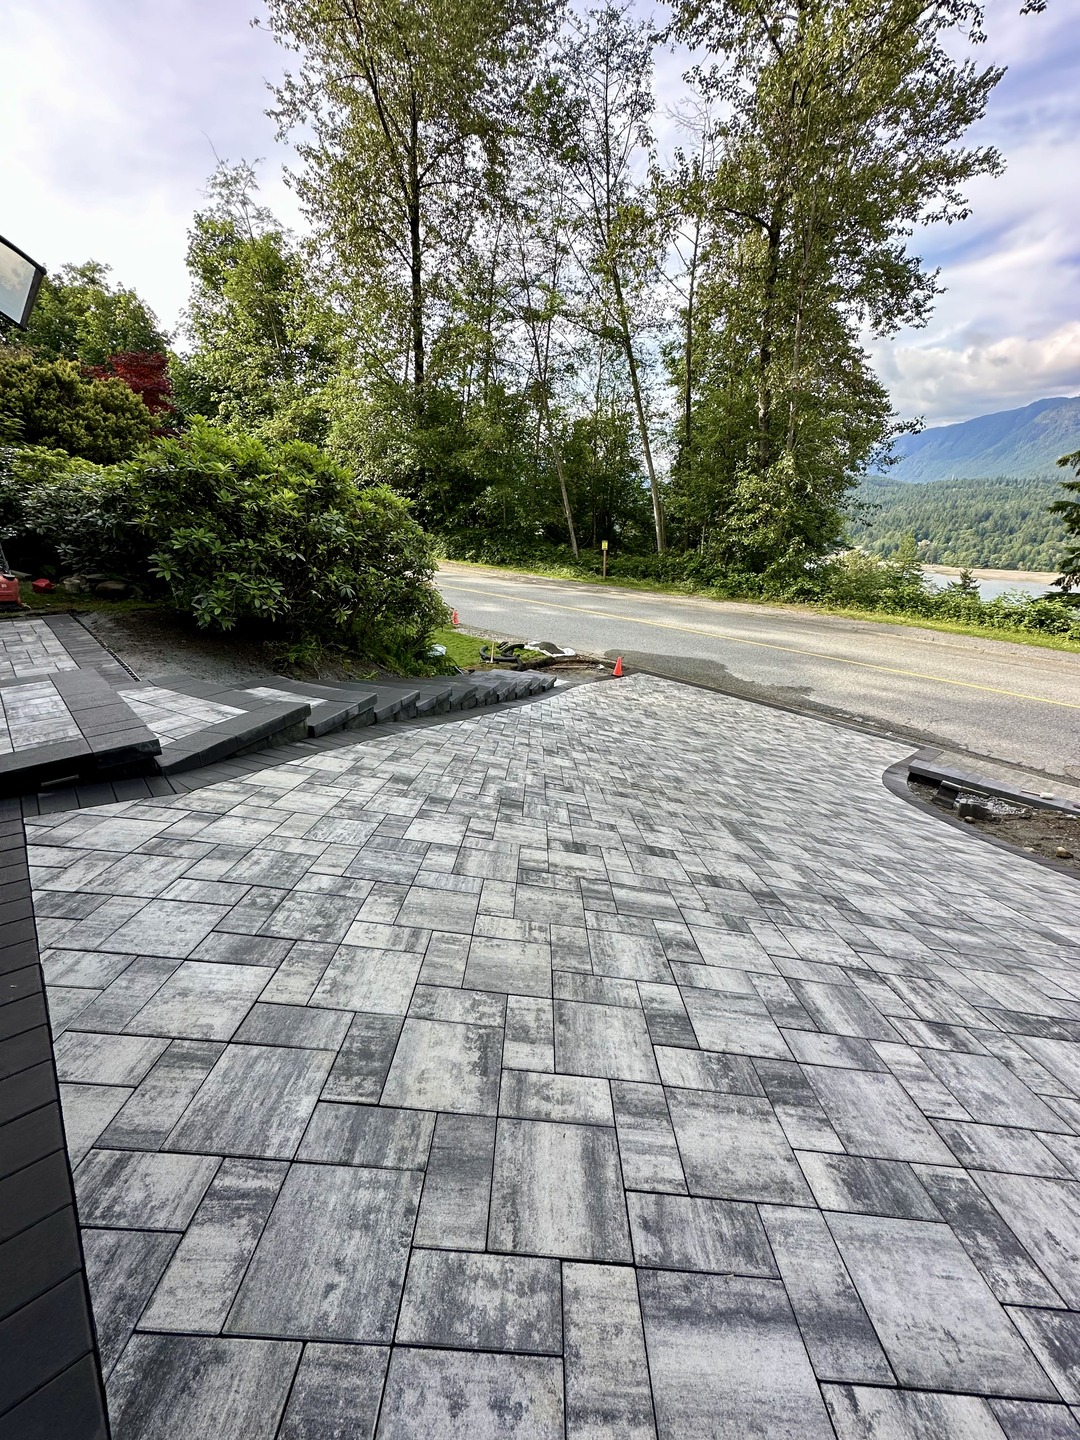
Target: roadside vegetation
469	652
513	330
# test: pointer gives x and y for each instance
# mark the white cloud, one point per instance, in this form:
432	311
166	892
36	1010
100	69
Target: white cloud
946	383
1007	330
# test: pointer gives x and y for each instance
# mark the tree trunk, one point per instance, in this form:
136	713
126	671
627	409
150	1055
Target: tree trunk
765	349
797	333
556	455
639	409
489	317
416	274
545	415
688	342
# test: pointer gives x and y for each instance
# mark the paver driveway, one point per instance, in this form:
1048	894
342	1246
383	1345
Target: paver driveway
631	1064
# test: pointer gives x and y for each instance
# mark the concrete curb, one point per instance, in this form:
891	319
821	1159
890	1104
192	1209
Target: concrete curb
923	765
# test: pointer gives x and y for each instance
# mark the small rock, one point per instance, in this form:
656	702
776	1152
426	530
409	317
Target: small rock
987	807
113	589
969	819
74	584
1030	849
1062	853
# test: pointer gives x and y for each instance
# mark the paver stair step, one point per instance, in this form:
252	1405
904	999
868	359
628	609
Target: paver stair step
67	723
199	721
70	710
411	702
334	705
515	684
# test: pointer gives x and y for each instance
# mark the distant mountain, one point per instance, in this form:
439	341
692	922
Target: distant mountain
1016	444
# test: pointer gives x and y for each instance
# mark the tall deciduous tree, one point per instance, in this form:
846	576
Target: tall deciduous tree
841	128
680	193
539	224
401	108
262	340
604	85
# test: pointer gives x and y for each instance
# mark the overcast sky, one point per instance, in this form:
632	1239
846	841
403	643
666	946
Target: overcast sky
112	111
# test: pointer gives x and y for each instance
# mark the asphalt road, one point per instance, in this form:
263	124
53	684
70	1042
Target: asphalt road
1014	703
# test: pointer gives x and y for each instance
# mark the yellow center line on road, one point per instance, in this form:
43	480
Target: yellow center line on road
768	645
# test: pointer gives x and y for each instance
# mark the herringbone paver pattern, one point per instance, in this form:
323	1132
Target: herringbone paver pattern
629	1065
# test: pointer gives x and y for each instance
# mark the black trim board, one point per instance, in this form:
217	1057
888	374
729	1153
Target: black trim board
50	1371
924	766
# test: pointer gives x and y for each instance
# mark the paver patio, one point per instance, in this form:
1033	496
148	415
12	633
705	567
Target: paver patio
631	1064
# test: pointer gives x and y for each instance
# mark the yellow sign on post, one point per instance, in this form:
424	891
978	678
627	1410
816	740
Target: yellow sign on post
603	554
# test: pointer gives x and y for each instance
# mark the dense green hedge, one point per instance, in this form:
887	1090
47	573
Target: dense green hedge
52	403
235	534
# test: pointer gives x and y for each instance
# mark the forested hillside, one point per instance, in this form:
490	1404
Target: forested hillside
997	524
1018	444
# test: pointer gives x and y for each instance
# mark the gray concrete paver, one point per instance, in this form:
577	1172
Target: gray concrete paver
641	996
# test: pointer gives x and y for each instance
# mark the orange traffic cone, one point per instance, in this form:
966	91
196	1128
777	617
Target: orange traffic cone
618	668
455	617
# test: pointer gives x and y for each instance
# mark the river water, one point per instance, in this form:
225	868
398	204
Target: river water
991	589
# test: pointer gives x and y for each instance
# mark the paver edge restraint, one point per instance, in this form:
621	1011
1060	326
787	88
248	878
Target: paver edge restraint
50	1368
895	779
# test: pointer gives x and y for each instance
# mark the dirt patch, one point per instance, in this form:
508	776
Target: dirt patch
1041	832
155	643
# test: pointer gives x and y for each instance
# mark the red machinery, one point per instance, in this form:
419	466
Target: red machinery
9	586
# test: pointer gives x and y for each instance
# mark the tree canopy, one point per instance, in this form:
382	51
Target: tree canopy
262	342
1068	507
515	311
829	132
79	315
